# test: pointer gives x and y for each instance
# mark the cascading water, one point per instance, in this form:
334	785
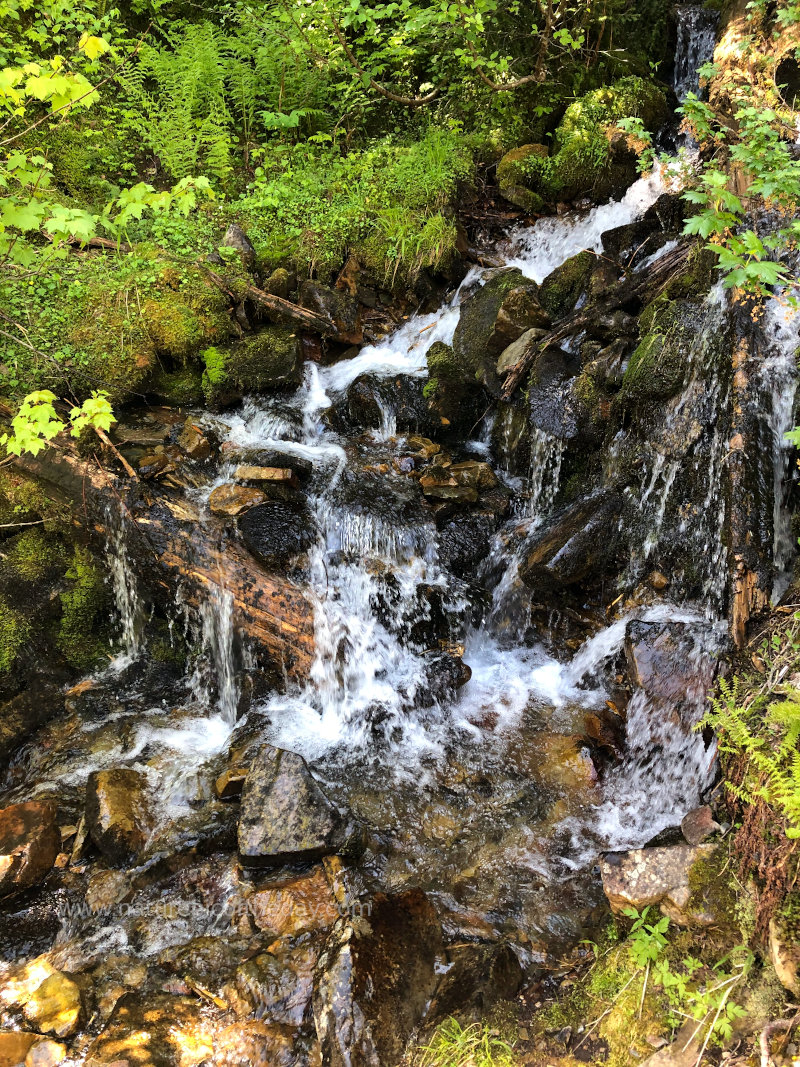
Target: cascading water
125	587
697	33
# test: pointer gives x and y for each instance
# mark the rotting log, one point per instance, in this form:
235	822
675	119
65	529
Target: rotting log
168	544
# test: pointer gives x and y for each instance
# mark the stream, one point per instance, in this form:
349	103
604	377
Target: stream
489	742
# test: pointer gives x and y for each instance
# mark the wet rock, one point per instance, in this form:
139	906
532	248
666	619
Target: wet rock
118	813
562	289
518	351
784	951
22	716
564	762
230	783
207	960
464	543
278	983
156	1031
580	543
477	979
235	237
445	674
152	464
29	843
278	475
698	825
294	906
256	1044
492	318
15	1046
339	306
462	482
275	532
262	362
372	402
645	877
669	661
232	500
455	399
269	457
46	1053
375	978
55	1007
563	402
194	442
106	889
30	930
658	581
285	815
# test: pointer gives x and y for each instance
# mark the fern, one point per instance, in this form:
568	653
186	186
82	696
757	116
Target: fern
768	745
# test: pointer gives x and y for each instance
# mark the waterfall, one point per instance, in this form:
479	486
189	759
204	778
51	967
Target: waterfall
778	374
697	35
125	586
547	453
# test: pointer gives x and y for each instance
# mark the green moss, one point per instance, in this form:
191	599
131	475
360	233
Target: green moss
33	552
268	360
561	290
522	170
80	606
14	629
22	499
656	369
180	388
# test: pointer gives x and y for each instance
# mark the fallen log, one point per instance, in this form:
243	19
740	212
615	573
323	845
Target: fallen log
278	309
168	544
630	289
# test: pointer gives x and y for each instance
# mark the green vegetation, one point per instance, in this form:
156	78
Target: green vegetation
14	631
80	604
454	1045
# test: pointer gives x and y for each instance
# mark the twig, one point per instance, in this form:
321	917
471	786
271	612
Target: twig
13	525
107	441
608	1010
644	988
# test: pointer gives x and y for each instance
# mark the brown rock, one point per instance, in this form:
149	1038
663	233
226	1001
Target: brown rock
294	905
194	442
230	783
663	661
55	1007
156	1031
15	1046
152	464
232	500
280	475
649	876
256	1044
784	951
658	581
118	813
107	888
698	825
29	844
278	983
46	1054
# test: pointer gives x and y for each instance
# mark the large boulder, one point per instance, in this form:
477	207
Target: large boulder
374	980
275	532
455	398
516	171
263	362
492	318
285	816
563	402
118	813
29	843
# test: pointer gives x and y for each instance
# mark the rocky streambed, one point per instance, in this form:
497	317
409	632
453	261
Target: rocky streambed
415	625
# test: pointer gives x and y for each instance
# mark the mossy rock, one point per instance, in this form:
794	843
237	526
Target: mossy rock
180	388
561	290
32	553
267	361
655	371
454	396
520	169
591	155
14	630
81	603
22	499
492	318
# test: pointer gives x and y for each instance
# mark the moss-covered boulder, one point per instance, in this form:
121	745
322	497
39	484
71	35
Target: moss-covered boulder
562	289
520	169
657	369
492	318
454	396
264	362
591	154
179	388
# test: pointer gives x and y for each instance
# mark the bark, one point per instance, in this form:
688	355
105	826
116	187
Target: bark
749	496
278	309
168	545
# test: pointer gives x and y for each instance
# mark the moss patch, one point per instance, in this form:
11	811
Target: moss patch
561	290
14	629
268	360
80	606
33	552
